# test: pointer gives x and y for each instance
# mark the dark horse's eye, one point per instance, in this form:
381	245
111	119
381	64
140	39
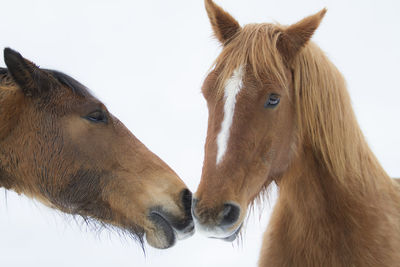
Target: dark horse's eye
97	116
272	102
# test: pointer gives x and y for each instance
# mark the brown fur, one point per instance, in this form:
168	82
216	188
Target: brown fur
50	151
336	205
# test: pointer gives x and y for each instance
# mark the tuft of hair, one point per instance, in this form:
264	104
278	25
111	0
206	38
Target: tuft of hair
255	47
97	227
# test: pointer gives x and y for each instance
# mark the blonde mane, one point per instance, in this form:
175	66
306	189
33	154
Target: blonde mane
326	120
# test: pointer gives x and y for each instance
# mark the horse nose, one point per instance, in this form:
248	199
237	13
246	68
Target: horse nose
226	218
184	227
186	198
229	214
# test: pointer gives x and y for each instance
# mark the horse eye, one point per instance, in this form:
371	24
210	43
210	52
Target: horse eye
272	102
97	116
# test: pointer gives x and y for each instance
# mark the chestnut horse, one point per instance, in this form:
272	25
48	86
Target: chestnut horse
279	111
61	146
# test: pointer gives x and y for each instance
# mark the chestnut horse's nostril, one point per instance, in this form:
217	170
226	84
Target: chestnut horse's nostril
186	198
230	214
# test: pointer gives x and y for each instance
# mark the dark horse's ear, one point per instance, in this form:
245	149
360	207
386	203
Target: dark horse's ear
32	80
223	24
296	36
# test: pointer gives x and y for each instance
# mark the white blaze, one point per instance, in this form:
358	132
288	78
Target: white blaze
232	88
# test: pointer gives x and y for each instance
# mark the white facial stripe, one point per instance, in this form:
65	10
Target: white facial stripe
232	88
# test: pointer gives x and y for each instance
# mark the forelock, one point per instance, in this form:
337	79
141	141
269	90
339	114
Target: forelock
254	47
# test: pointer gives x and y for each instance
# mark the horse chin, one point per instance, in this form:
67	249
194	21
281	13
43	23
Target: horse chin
163	236
232	237
217	232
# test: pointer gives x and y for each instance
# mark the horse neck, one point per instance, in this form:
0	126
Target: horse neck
331	223
309	186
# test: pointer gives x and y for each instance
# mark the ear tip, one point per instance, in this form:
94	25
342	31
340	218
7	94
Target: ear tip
210	5
10	54
9	51
322	12
208	2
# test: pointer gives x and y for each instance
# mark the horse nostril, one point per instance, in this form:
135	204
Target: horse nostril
230	214
186	198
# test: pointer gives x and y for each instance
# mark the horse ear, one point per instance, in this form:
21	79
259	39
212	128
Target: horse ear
26	74
296	36
223	24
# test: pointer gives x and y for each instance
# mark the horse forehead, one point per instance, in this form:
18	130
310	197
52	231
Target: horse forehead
234	83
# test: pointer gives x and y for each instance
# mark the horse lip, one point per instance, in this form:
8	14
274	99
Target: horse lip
165	226
231	237
179	232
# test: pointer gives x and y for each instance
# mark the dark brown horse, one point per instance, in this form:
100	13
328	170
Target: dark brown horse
279	111
61	146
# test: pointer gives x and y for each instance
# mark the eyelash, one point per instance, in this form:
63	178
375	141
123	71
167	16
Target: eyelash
98	116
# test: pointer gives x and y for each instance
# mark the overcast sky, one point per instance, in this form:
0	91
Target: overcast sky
146	60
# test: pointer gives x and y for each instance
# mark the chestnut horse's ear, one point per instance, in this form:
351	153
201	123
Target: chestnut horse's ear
223	24
27	75
296	36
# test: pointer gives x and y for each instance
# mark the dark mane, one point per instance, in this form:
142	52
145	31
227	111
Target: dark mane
74	85
70	82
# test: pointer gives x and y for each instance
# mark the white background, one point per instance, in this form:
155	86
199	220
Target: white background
146	60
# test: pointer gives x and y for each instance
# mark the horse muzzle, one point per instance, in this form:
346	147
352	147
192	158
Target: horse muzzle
223	224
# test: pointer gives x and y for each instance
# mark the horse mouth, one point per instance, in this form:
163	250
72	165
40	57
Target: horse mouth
165	235
169	230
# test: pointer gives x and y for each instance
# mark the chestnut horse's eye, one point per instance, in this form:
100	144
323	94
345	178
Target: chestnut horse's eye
97	116
272	102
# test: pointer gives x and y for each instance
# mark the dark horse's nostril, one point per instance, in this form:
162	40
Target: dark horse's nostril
230	214
186	197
